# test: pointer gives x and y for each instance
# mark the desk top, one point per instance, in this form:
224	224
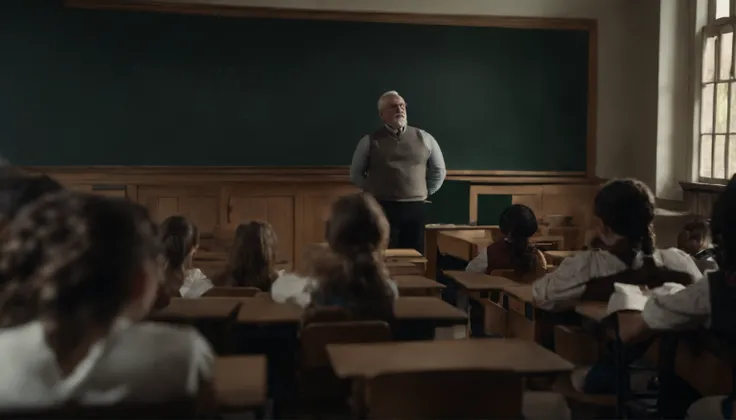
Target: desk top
478	282
402	253
205	308
594	311
371	359
240	382
414	281
263	310
425	308
521	291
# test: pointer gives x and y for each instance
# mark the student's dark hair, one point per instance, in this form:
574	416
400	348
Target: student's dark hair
17	191
252	261
627	206
699	231
519	223
179	237
357	232
723	227
69	259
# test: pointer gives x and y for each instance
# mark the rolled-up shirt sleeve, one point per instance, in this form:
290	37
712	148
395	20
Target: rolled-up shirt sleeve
686	309
436	170
359	166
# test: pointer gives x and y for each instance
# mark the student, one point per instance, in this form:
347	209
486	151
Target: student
710	302
695	240
180	239
513	252
625	212
89	264
252	260
352	273
17	191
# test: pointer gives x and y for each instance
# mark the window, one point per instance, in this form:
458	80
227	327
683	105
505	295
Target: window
717	142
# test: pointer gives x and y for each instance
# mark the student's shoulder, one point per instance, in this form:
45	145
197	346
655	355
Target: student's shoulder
174	336
676	257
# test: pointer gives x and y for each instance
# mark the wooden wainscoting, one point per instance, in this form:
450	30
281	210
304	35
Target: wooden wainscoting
295	201
699	198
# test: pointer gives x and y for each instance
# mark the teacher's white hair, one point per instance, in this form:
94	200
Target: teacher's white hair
385	95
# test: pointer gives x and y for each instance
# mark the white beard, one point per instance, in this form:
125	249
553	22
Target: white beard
401	122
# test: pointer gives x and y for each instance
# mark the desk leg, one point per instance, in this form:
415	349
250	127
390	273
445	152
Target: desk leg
430	252
360	406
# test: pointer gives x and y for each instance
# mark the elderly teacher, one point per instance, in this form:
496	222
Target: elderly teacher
400	165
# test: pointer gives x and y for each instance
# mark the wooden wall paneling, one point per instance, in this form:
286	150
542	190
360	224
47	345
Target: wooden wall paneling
201	204
516	191
272	203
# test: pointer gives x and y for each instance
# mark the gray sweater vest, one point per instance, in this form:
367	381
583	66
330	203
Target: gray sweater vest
397	165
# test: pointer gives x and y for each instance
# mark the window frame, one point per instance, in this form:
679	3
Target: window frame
715	28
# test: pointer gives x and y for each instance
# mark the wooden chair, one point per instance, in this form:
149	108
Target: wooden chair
319	388
177	409
223	291
462	394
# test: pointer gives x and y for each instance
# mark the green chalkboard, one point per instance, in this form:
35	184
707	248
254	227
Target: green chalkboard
82	87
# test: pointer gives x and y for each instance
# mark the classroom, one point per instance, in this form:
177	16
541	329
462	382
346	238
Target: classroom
499	209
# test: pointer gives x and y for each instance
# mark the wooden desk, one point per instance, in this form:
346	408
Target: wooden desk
197	309
371	359
556	257
431	240
402	268
467	244
593	311
523	316
428	309
240	382
479	285
402	253
415	285
262	310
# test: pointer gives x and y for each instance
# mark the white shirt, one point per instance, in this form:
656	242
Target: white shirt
563	287
290	287
142	362
479	264
688	308
195	284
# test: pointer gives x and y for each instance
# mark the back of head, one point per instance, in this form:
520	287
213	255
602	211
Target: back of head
179	238
723	227
518	223
357	233
694	237
17	191
626	207
253	257
71	259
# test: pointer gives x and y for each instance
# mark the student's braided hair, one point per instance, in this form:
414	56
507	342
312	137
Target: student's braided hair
68	259
627	206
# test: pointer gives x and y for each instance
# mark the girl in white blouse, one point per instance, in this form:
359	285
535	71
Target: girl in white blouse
625	212
180	239
697	306
88	264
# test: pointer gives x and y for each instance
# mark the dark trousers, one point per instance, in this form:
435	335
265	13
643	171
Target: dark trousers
407	224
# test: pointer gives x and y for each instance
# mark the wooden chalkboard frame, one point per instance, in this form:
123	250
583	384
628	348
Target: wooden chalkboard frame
200	7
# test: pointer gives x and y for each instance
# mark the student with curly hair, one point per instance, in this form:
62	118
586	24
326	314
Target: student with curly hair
85	269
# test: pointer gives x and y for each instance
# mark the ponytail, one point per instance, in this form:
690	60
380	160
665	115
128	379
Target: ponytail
522	253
